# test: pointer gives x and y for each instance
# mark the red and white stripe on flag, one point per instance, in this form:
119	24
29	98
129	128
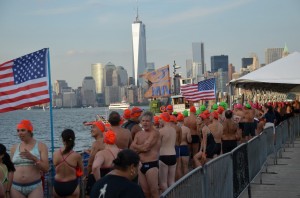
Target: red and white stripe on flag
24	82
190	92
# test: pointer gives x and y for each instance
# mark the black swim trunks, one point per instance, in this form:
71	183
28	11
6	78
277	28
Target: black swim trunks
148	165
249	129
195	139
64	189
169	160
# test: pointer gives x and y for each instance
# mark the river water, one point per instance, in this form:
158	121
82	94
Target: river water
62	119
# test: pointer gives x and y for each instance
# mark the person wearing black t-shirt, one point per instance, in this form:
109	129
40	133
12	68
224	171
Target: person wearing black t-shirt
118	183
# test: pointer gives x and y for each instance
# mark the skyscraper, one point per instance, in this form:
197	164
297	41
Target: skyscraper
88	91
219	62
198	59
246	62
273	54
139	50
98	75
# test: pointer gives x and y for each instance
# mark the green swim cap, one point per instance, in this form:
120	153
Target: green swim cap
202	108
185	113
248	106
198	111
215	107
224	104
174	113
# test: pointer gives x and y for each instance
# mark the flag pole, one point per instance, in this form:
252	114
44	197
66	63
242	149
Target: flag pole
51	112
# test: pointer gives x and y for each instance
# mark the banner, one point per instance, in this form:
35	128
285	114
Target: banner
159	82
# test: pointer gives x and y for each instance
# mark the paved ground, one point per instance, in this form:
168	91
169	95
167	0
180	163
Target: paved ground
282	180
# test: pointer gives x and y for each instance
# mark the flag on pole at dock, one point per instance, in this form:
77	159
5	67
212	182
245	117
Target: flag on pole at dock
24	81
204	90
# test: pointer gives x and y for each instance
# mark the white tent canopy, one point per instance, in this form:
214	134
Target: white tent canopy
281	75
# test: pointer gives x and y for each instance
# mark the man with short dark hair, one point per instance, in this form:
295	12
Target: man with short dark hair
123	135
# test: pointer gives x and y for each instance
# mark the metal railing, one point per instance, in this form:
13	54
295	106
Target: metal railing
232	173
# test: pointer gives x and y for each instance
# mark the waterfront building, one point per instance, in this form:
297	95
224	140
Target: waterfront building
88	91
139	50
273	54
131	94
98	75
198	59
69	99
120	76
108	71
246	62
231	70
59	85
189	68
150	67
222	80
219	62
285	51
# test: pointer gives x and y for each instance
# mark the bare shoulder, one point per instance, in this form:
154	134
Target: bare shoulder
42	146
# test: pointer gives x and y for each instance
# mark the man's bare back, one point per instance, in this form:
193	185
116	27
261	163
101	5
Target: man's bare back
123	137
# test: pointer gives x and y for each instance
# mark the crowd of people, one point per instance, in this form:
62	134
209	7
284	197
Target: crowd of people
137	154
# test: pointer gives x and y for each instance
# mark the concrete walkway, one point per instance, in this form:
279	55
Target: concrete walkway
282	180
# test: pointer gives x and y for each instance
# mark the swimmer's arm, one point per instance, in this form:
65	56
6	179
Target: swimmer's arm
43	162
189	136
79	162
134	145
147	145
10	179
98	161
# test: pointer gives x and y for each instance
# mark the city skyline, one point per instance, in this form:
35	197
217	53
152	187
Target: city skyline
83	33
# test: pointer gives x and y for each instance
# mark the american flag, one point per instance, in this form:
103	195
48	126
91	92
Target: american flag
204	90
24	81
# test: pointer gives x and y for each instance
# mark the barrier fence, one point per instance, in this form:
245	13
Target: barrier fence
227	175
230	174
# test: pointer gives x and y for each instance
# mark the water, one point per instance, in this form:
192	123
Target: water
62	119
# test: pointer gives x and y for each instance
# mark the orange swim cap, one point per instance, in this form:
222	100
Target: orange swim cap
165	117
100	125
25	124
109	137
126	113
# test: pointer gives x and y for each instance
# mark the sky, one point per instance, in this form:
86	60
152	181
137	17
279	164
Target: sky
82	32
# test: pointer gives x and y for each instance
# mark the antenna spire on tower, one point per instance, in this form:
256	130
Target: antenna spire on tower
137	11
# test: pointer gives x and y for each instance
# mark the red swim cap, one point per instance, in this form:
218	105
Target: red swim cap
126	113
193	109
180	117
165	117
169	107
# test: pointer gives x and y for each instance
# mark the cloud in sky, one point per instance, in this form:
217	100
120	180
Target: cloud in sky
197	12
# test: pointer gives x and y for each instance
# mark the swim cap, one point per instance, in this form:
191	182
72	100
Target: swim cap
109	137
156	119
238	106
173	118
198	111
25	124
126	113
205	114
185	113
174	113
180	117
100	125
165	117
220	109
248	106
192	109
215	107
136	112
215	114
169	107
224	105
202	108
